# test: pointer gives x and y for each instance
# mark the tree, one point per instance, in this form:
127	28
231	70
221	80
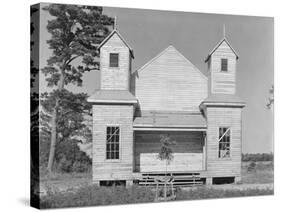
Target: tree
75	32
34	109
270	98
166	153
72	125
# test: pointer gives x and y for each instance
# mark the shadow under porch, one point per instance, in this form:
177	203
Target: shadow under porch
188	151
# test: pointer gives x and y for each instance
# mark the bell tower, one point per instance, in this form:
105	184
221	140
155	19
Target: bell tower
115	62
222	68
113	107
223	112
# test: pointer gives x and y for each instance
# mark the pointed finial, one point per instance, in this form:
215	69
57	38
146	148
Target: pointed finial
115	22
224	30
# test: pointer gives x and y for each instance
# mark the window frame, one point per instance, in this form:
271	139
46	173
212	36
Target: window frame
113	53
224	59
119	143
224	142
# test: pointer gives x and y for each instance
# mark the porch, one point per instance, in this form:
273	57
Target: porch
188	130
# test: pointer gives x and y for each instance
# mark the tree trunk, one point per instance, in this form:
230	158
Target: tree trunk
54	128
165	184
53	138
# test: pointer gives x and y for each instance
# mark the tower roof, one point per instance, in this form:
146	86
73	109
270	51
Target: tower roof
112	96
120	36
217	46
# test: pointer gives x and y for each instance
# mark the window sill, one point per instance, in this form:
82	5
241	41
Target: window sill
225	159
112	160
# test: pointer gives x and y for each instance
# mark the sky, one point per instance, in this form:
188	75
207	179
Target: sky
149	32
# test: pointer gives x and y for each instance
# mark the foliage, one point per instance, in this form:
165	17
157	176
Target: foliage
270	98
93	195
75	32
72	127
166	152
252	167
34	112
257	157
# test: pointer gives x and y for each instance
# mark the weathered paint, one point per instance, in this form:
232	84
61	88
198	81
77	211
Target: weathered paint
223	117
222	82
117	78
149	162
188	146
170	82
112	115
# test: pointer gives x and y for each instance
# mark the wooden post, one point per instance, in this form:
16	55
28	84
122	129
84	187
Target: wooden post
237	179
156	193
96	182
204	150
129	183
209	181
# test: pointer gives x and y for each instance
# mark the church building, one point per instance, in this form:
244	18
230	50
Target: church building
166	96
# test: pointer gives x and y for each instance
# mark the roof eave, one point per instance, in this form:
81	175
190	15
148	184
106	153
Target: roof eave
215	48
118	33
103	101
221	103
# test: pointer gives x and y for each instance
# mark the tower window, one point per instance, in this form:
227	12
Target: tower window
113	59
224	64
224	142
112	142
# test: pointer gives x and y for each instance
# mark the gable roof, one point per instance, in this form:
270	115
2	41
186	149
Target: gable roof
164	51
170	119
217	46
120	36
112	96
223	99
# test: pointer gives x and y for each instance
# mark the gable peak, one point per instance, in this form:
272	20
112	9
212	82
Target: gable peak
115	31
218	45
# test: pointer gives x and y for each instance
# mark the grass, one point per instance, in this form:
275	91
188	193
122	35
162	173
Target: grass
211	193
93	195
261	175
78	190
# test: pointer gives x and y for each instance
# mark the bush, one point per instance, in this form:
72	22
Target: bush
252	166
65	165
68	157
80	166
257	157
93	195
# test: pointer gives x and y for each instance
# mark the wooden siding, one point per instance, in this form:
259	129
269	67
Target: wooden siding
223	82
149	143
149	162
115	77
223	117
112	115
170	82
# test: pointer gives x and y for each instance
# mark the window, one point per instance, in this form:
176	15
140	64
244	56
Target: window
112	142
224	142
224	64
113	59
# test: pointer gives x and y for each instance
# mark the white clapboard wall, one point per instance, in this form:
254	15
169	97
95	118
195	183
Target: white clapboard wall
149	162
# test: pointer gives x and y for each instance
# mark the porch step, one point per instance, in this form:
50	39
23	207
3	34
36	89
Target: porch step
178	179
